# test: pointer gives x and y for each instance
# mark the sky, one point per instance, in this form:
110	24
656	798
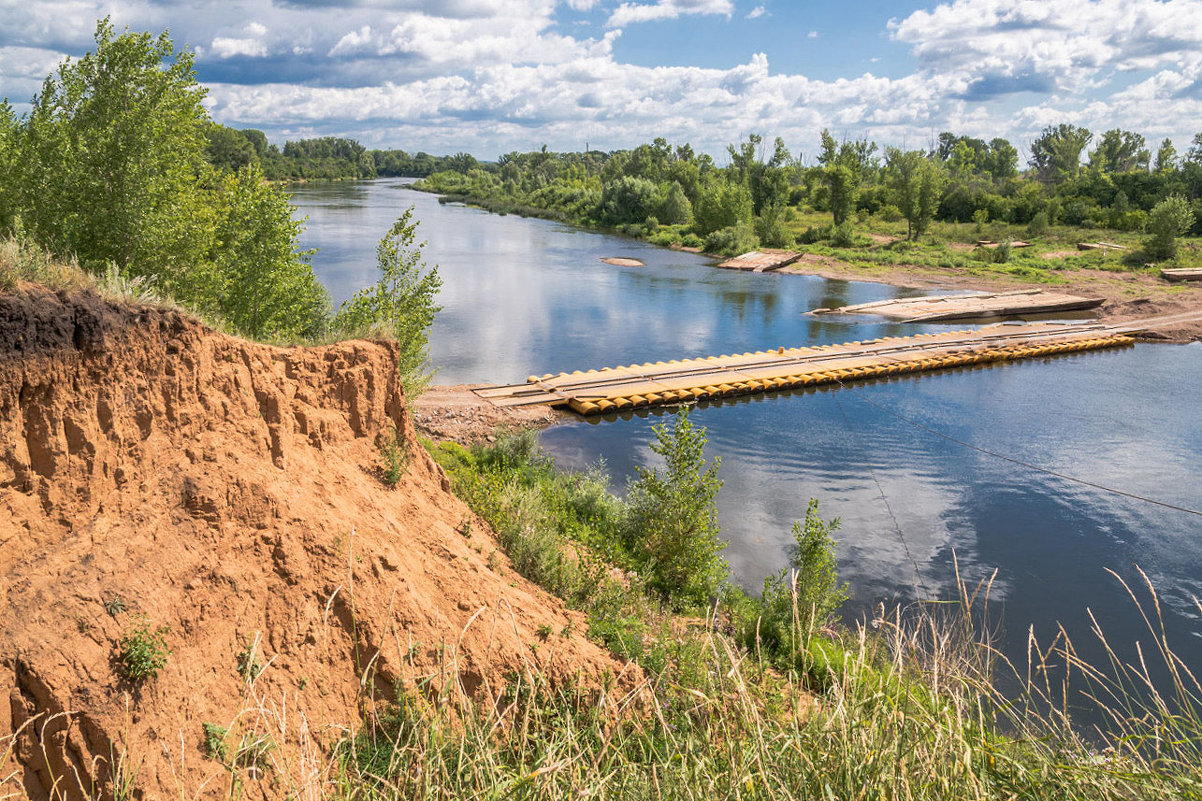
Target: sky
489	77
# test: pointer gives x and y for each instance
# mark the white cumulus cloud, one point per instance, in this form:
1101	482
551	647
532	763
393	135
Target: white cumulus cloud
628	13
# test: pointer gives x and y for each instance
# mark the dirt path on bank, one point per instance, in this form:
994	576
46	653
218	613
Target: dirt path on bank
455	413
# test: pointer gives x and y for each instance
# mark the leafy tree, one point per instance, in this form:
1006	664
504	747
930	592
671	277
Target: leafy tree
675	208
1056	153
261	284
732	240
721	204
111	157
628	199
8	164
257	139
767	180
1002	159
1120	151
1166	157
401	304
1194	154
843	171
672	522
229	149
806	595
1170	218
915	184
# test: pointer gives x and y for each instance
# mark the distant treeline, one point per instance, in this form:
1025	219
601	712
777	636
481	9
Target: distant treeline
750	200
322	159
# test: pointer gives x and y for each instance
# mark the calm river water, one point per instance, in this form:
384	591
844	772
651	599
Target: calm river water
526	296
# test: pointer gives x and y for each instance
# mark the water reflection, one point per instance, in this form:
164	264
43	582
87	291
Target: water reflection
529	296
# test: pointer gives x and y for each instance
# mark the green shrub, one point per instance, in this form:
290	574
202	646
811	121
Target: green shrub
400	305
1170	218
799	599
890	213
394	456
815	234
844	235
672	526
732	240
1038	225
215	746
143	651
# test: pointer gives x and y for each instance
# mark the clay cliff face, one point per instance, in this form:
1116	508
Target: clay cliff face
154	470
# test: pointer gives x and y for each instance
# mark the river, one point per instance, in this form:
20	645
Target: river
902	463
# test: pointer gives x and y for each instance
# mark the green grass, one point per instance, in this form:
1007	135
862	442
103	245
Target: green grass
905	706
909	711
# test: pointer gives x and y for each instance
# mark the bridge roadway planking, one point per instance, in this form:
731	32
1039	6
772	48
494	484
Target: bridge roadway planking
661	383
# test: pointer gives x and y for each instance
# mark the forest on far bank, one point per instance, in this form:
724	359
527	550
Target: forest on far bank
765	196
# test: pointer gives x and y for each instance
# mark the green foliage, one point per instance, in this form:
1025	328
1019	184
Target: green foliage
1120	151
110	155
732	240
844	168
1171	218
721	204
1166	157
216	747
672	525
915	183
257	279
247	661
675	209
112	165
628	199
890	213
143	651
401	304
771	227
9	206
394	456
228	149
253	750
800	599
548	522
1038	225
1056	153
843	235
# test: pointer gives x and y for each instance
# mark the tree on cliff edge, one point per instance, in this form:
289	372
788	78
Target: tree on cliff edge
109	166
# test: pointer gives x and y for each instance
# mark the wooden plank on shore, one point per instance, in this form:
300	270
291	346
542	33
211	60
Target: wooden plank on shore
761	261
1183	274
970	306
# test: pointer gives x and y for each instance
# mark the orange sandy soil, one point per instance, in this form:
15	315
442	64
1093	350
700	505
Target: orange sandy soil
1129	296
152	468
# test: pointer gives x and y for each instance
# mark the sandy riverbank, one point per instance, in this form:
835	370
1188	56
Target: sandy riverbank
456	413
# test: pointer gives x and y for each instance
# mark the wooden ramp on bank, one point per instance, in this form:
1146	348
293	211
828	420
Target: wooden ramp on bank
970	306
761	261
666	383
1183	274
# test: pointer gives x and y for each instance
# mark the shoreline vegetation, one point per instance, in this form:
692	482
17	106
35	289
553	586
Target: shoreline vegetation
741	696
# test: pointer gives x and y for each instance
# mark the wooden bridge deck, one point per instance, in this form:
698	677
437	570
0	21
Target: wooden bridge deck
662	383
